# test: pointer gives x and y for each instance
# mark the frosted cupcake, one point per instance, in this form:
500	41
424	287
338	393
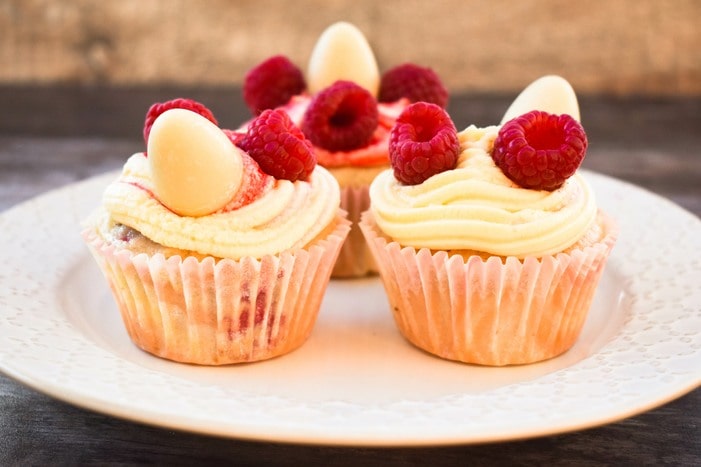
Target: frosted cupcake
346	109
489	242
217	255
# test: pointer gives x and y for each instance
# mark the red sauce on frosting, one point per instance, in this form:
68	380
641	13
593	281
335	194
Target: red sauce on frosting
254	185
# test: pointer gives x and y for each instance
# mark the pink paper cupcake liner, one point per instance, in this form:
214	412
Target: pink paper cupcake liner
355	258
489	311
215	312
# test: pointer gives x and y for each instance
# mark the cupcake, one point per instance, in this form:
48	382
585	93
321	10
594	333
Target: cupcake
346	109
217	255
489	241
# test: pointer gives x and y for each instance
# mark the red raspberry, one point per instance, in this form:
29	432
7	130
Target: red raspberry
422	143
342	117
279	147
272	83
180	103
416	83
540	150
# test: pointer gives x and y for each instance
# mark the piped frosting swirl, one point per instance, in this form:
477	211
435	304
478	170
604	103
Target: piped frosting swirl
476	207
266	216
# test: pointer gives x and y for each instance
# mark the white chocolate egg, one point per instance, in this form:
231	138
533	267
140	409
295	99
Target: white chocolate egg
552	94
195	168
342	53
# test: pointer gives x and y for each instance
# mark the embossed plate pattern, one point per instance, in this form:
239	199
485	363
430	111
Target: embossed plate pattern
356	381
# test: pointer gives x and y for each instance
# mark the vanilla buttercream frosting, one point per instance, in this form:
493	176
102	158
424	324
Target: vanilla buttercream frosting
476	207
276	216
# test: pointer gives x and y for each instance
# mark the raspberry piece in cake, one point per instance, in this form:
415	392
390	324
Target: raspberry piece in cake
180	103
422	143
272	83
279	147
234	136
539	150
416	83
342	117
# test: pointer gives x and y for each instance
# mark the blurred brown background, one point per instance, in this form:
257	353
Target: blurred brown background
617	47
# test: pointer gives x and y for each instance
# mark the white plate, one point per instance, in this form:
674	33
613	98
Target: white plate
356	381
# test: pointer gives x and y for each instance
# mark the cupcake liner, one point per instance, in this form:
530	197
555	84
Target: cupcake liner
355	258
493	311
216	312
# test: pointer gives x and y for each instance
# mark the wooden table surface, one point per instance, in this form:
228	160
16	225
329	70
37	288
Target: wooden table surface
50	137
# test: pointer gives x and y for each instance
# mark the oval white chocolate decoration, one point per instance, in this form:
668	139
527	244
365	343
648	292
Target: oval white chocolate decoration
342	53
552	94
195	168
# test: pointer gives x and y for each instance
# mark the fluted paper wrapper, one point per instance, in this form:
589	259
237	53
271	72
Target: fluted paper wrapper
494	311
355	258
215	312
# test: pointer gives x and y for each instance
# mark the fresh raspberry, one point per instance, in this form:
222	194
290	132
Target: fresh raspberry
272	83
418	84
180	103
279	147
342	117
540	150
422	143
